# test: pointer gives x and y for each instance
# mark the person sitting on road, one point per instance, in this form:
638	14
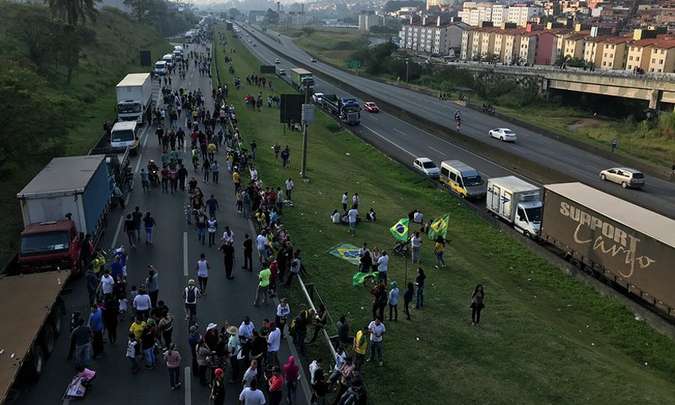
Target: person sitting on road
335	217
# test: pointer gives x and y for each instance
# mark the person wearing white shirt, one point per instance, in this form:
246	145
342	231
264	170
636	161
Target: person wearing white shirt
353	215
345	201
377	330
283	311
314	366
228	236
142	303
290	185
418	217
261	245
335	217
416	245
246	330
252	395
383	267
254	174
273	344
107	283
202	273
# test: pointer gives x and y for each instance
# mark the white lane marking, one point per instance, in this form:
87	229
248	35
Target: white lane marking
435	150
388	140
185	254
117	233
188	386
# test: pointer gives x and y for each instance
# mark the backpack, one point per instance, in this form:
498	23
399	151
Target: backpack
191	295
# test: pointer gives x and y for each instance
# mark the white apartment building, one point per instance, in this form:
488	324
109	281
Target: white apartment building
429	37
475	14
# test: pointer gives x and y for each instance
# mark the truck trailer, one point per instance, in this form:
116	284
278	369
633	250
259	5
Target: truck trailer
298	77
627	244
346	109
517	202
71	195
134	97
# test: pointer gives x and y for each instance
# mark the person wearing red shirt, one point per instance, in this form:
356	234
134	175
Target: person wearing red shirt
276	386
291	375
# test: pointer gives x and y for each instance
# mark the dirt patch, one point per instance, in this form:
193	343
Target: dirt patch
584	123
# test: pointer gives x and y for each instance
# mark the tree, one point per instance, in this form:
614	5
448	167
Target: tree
73	12
37	32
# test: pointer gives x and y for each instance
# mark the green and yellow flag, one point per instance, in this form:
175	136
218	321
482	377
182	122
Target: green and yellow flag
400	230
359	278
439	227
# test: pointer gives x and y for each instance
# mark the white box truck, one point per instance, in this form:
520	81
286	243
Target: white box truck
517	202
134	97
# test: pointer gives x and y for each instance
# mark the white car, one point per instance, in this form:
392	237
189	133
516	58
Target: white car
317	98
503	134
313	60
282	72
277	61
426	166
624	176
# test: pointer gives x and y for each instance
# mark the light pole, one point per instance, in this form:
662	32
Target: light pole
406	70
305	125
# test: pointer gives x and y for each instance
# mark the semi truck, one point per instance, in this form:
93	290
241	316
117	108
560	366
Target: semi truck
71	195
134	97
629	245
517	202
299	76
345	108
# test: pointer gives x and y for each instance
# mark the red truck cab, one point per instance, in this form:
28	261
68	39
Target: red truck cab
49	245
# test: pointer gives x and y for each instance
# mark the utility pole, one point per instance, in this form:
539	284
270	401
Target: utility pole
406	70
305	127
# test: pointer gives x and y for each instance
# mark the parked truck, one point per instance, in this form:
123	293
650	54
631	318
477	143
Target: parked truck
134	97
299	76
517	202
627	244
346	109
71	195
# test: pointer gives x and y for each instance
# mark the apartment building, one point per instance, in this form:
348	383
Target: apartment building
475	14
573	45
653	55
431	36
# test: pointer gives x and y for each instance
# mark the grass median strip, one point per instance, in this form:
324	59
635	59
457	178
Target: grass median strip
544	338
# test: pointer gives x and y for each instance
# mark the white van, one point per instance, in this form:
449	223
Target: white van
168	58
124	134
462	179
160	68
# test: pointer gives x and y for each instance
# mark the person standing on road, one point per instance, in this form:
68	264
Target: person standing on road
142	303
212	227
173	359
291	375
296	267
228	258
275	386
92	285
477	304
110	318
377	330
80	344
149	223
248	253
152	284
165	326
261	244
203	268
212	205
182	175
137	216
130	230
263	285
252	395
190	296
96	326
132	344
218	387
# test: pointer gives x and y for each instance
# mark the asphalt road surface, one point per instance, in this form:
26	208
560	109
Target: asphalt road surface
406	141
175	253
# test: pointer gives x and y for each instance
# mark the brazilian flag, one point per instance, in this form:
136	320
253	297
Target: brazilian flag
439	227
400	230
359	278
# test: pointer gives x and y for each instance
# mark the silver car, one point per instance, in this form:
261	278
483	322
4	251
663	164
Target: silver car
626	177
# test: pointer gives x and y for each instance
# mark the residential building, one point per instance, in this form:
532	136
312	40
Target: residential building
573	45
475	14
368	20
432	36
522	14
442	4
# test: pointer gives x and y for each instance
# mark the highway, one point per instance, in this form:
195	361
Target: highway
174	253
406	141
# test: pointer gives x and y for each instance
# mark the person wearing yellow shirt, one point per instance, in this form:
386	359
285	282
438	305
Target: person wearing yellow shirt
360	347
236	179
137	327
263	285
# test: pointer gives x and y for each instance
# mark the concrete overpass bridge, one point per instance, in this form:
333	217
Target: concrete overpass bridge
657	89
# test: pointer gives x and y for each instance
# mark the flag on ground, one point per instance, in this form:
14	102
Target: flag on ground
439	227
359	278
400	230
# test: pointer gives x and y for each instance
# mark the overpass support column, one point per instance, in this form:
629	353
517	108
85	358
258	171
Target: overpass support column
543	88
654	99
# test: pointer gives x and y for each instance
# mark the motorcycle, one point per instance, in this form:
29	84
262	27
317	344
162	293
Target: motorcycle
153	174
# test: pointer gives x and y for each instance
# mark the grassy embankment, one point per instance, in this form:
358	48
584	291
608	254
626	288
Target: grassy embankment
544	338
90	97
635	140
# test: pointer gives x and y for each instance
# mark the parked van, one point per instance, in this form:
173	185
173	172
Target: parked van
160	68
462	179
168	58
124	135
